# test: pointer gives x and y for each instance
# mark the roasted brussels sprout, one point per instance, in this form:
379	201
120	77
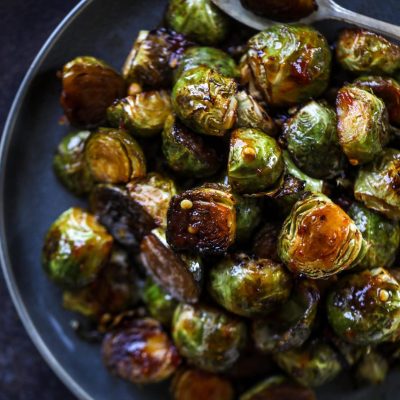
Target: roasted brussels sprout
364	308
178	274
372	369
266	241
142	114
289	325
89	86
248	217
382	236
363	124
318	239
153	57
199	20
361	51
194	384
288	64
75	249
113	156
202	220
255	161
207	337
378	184
69	163
186	152
205	101
312	140
140	352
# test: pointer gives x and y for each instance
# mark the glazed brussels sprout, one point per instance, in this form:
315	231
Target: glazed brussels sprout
205	101
140	352
364	308
153	57
113	156
363	124
290	325
312	365
248	217
249	287
202	220
288	64
207	337
187	153
194	384
361	51
312	140
178	274
75	249
199	20
266	241
255	161
372	368
89	86
377	184
69	163
318	239
143	114
382	236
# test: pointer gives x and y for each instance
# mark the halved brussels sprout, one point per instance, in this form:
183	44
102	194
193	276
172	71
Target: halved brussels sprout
113	156
194	384
143	114
288	64
290	325
199	20
207	337
364	308
382	236
140	352
202	220
249	287
69	163
178	274
361	51
372	369
248	217
363	124
186	152
255	161
266	241
89	86
153	57
205	101
378	184
318	239
312	140
75	249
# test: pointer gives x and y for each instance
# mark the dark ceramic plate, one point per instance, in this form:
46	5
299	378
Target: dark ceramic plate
31	198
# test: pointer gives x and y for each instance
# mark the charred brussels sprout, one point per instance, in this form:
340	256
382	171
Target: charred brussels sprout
361	51
249	287
266	241
382	236
378	184
205	101
113	156
69	163
202	220
288	64
372	369
363	124
255	161
318	239
89	86
313	142
186	152
75	249
140	352
207	337
248	217
199	20
364	308
143	114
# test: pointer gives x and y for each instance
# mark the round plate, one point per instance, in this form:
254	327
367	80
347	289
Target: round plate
31	198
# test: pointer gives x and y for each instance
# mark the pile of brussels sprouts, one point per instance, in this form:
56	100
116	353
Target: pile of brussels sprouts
244	198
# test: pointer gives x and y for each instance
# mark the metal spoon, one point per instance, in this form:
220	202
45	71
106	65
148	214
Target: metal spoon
327	9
